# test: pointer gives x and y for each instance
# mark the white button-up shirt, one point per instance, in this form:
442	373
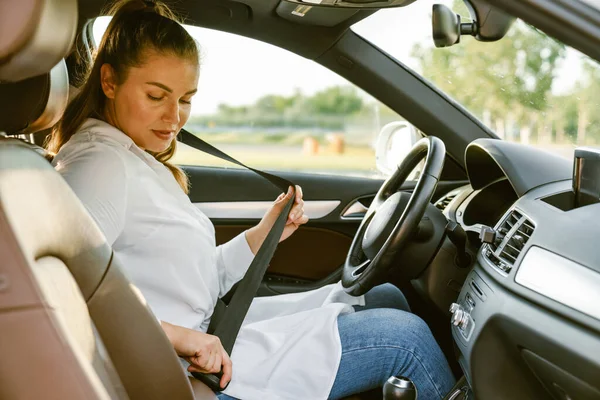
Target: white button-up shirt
288	346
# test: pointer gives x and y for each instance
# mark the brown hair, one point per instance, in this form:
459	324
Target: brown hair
136	26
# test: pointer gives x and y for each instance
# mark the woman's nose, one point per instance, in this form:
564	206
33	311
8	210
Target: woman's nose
171	114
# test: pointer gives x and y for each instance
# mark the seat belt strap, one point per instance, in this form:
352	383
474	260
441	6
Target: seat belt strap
227	319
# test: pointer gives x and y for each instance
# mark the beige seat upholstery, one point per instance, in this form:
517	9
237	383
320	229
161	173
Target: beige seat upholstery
34	36
71	325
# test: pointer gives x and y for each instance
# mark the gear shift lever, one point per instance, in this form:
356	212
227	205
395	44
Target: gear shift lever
399	388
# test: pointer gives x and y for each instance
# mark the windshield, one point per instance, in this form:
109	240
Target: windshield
527	87
314	122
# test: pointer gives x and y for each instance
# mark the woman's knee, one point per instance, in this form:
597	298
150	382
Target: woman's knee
408	326
386	296
385	327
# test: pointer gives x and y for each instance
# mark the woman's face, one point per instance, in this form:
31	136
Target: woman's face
154	102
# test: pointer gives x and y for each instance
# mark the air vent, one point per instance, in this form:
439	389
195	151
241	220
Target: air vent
511	237
444	201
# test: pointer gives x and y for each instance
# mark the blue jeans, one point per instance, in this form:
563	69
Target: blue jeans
383	339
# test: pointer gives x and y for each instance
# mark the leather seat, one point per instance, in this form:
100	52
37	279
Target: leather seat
71	325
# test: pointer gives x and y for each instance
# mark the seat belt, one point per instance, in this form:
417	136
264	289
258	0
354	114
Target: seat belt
226	320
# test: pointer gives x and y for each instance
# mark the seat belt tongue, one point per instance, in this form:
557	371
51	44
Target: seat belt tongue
226	321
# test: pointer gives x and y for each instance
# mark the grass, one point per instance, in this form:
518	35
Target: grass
265	156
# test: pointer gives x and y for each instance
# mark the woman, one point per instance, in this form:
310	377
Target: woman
113	146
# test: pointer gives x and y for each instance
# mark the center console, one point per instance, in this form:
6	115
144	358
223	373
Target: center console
526	323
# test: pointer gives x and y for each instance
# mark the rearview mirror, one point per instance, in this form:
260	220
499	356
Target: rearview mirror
393	144
488	23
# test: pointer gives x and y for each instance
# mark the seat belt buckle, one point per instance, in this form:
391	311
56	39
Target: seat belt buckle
213	381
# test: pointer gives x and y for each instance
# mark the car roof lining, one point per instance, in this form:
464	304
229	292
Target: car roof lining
255	19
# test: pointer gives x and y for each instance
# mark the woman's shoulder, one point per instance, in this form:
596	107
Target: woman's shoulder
97	145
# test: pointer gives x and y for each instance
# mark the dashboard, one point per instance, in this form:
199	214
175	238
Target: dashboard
526	324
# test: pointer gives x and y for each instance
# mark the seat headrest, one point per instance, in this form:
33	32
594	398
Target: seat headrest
34	36
34	104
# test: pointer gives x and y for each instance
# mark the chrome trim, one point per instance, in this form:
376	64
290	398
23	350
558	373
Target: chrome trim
497	226
359	269
401	382
315	209
490	263
355	208
457	392
561	280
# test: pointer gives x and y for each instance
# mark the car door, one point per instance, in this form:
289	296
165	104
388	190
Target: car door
236	199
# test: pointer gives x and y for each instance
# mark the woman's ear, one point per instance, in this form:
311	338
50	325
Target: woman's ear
108	80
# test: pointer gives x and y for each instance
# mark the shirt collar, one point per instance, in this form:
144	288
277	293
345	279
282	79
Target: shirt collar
104	129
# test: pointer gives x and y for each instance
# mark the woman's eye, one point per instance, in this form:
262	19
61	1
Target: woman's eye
186	101
154	98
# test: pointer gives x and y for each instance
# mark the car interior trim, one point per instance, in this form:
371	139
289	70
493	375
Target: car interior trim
356	210
257	209
561	280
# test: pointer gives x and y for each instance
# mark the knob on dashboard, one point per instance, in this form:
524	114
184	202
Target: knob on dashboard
454	307
460	317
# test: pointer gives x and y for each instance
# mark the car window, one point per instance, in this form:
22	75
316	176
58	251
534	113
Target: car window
272	109
527	87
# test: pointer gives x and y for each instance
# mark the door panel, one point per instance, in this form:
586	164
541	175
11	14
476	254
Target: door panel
313	255
310	254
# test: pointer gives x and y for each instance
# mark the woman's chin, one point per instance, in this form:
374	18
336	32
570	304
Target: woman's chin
158	147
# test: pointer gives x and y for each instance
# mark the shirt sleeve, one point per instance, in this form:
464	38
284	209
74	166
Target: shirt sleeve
97	175
233	260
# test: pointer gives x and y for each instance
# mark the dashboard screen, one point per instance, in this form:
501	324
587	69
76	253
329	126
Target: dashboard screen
586	176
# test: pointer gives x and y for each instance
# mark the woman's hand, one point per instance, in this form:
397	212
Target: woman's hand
204	352
256	235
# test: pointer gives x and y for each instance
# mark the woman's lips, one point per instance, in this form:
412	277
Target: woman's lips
164	135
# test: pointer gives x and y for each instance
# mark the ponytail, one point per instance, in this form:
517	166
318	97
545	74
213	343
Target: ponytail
136	26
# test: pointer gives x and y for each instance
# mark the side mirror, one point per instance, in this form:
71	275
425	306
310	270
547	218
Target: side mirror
393	144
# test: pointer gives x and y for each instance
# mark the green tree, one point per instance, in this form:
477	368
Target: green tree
505	81
274	103
587	96
336	100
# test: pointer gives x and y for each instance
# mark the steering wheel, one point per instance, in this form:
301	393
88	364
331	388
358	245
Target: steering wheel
392	218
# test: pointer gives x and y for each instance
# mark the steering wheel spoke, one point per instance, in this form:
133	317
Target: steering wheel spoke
362	267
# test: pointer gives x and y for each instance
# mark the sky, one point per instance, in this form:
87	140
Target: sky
237	70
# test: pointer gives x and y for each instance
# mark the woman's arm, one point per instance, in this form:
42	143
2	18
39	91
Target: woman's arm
204	352
235	256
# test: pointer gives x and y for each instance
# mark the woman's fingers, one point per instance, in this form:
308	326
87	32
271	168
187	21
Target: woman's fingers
302	220
223	364
227	369
297	211
203	361
215	365
210	364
